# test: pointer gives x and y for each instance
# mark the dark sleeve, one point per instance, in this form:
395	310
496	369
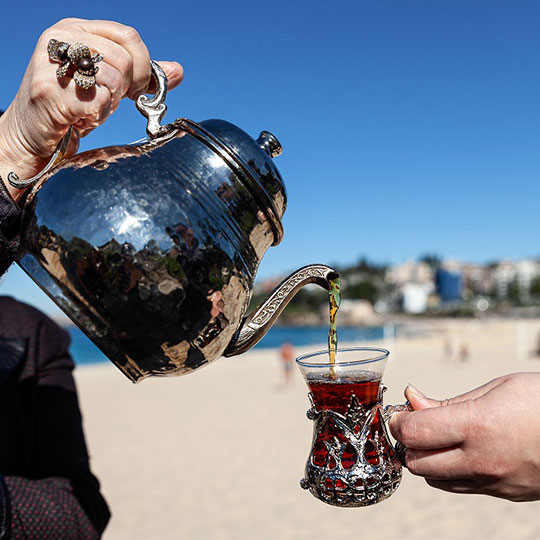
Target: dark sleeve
10	216
5	511
60	495
47	509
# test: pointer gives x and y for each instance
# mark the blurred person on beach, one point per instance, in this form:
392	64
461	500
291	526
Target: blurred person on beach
286	355
464	353
46	487
448	349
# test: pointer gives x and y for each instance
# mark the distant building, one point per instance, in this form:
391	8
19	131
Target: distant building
518	274
504	275
449	285
477	280
267	285
353	312
415	297
354	278
409	272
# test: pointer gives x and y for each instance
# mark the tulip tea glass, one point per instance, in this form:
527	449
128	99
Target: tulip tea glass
352	461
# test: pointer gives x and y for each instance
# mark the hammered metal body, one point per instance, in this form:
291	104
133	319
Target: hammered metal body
152	248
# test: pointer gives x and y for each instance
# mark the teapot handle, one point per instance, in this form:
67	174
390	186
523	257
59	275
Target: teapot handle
154	108
255	325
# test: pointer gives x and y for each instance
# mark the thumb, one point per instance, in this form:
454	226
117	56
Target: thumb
418	400
174	72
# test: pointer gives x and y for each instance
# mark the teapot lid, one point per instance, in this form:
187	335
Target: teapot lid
252	161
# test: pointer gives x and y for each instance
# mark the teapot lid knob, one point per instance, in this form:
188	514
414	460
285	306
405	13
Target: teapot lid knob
270	144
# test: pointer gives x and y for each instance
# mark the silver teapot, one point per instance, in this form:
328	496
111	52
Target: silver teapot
152	248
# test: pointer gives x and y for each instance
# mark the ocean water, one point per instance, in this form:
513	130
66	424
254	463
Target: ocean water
85	352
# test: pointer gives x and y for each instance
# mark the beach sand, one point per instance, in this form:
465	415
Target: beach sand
219	454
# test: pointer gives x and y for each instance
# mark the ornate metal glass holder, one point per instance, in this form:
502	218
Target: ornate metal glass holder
352	461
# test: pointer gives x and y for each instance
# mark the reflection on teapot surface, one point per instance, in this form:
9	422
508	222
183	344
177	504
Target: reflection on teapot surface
143	243
152	248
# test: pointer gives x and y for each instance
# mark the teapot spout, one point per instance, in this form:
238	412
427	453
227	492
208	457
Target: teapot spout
255	325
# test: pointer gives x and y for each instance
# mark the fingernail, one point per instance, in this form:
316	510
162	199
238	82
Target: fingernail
413	390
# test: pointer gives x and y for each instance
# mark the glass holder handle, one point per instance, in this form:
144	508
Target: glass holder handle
387	413
390	410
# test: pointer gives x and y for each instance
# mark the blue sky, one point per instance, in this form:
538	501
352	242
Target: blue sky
408	127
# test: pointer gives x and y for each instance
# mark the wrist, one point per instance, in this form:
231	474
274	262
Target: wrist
6	167
16	158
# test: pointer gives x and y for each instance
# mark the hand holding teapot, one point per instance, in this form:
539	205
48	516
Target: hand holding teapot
45	108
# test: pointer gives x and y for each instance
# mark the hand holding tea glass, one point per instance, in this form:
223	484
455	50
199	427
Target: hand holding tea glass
351	462
486	441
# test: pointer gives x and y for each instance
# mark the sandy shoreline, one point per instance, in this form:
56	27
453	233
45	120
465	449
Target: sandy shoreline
218	454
